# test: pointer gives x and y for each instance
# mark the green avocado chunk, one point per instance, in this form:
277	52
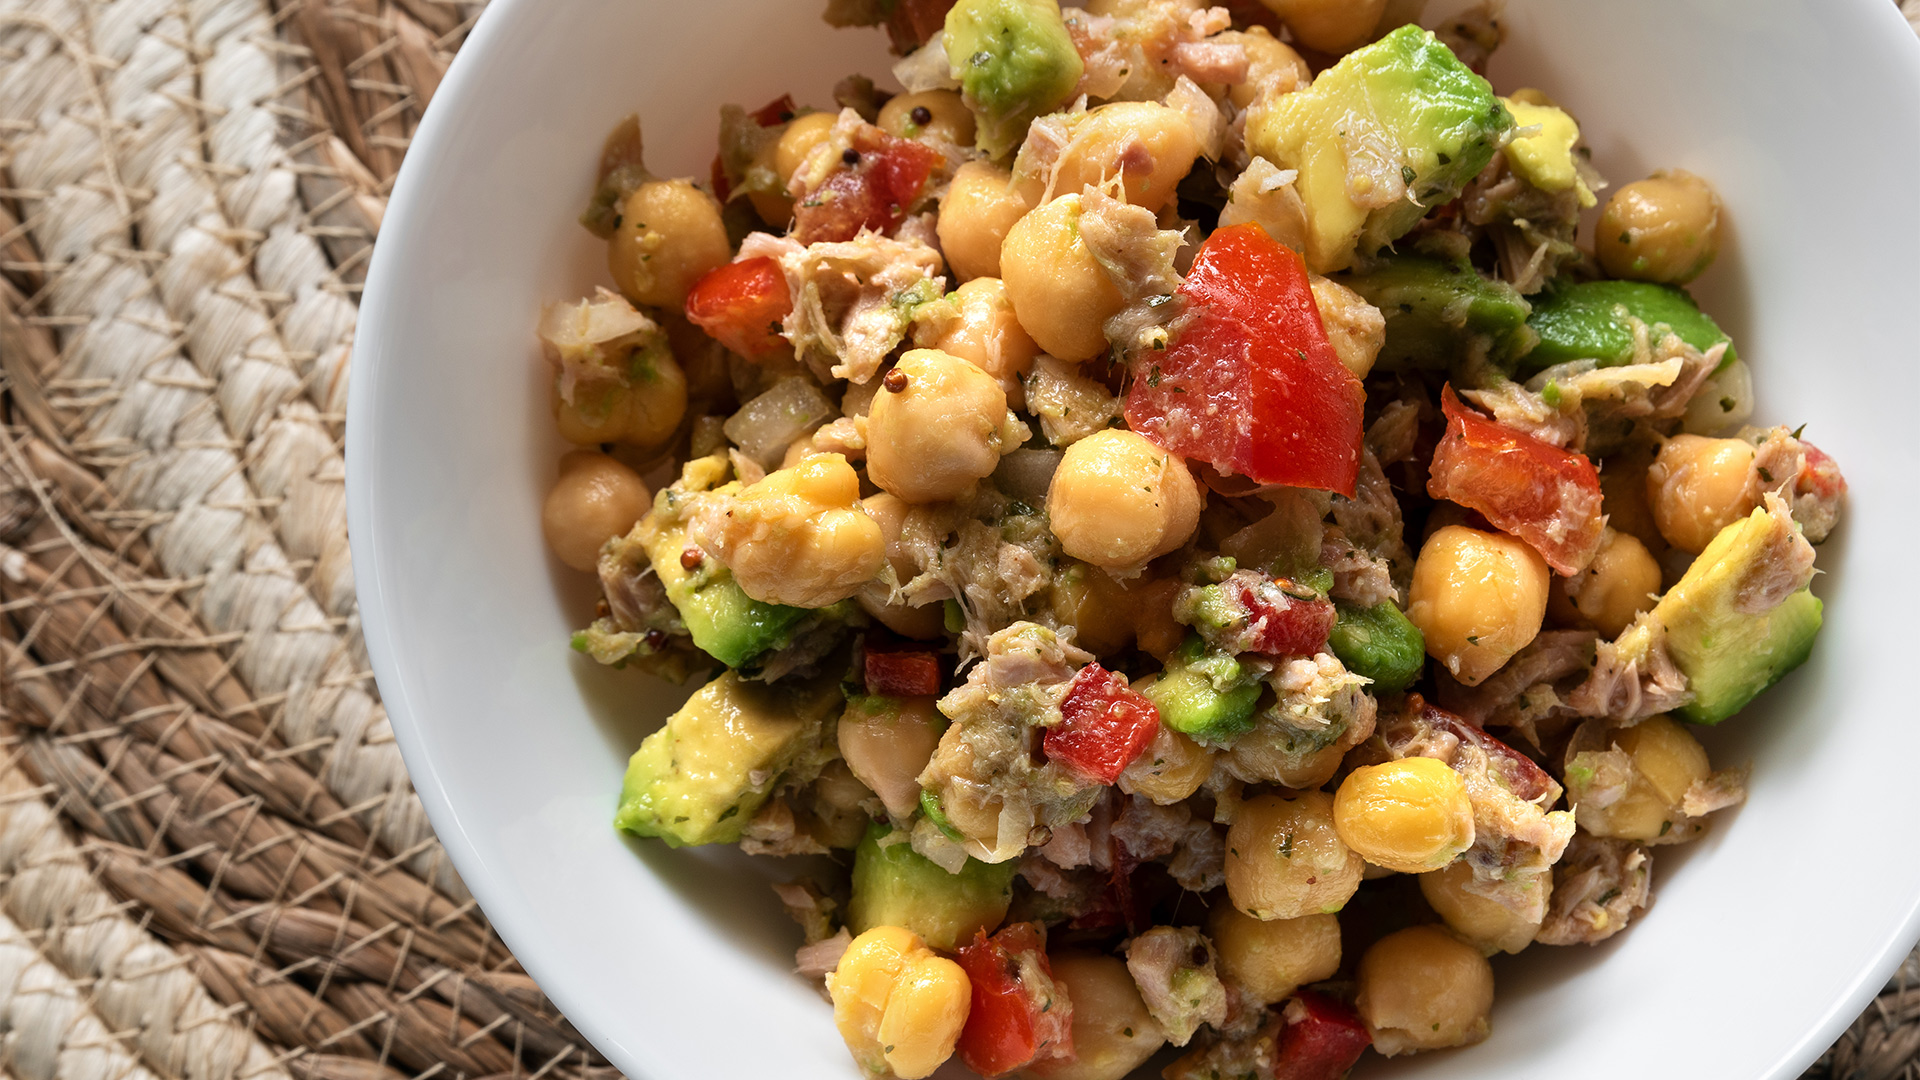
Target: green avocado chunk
1437	311
1015	61
712	765
1729	654
897	886
1589	321
1205	694
1391	131
1379	643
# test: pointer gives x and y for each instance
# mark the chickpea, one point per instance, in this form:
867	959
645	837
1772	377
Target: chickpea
1410	815
1479	597
1625	500
1271	65
595	500
899	1007
643	408
1618	585
670	236
1698	486
1110	615
797	143
981	207
1148	145
1421	989
988	335
1667	760
1329	26
942	432
1665	228
1355	328
1060	292
1285	858
1118	501
839	820
1172	768
888	744
798	537
1268	960
1113	1034
1487	924
947	118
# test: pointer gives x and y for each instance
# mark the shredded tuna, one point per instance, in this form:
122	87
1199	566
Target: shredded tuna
1633	676
1173	967
808	906
1597	889
818	959
1529	689
774	831
851	299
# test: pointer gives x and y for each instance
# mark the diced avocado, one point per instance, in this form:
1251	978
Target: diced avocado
1379	643
1207	695
1592	321
712	765
897	886
1391	131
1015	61
1730	655
1438	311
723	621
1545	159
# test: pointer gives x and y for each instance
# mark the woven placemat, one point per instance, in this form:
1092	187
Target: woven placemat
211	864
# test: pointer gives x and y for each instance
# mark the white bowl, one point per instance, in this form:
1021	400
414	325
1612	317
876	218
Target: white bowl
1766	938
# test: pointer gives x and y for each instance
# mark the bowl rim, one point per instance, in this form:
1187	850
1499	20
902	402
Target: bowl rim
491	36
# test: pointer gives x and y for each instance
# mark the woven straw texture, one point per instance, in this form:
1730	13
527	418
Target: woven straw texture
211	864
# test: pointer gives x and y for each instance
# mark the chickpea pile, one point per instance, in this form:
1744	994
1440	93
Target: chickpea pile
1114	746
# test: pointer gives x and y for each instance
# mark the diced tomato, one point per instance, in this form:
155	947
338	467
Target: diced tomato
1820	475
1515	771
873	189
1322	1040
1105	725
901	672
1017	1016
1542	494
741	305
1116	907
1284	625
1251	385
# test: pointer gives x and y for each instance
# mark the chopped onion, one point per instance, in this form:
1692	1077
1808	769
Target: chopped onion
767	425
926	68
1026	474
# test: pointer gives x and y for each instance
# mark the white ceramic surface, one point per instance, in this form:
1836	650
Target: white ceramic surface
1765	939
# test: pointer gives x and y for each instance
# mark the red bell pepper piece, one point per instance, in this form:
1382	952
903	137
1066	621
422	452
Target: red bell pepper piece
1017	1016
901	672
1283	625
1106	725
878	181
1251	385
1322	1040
1542	494
741	305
